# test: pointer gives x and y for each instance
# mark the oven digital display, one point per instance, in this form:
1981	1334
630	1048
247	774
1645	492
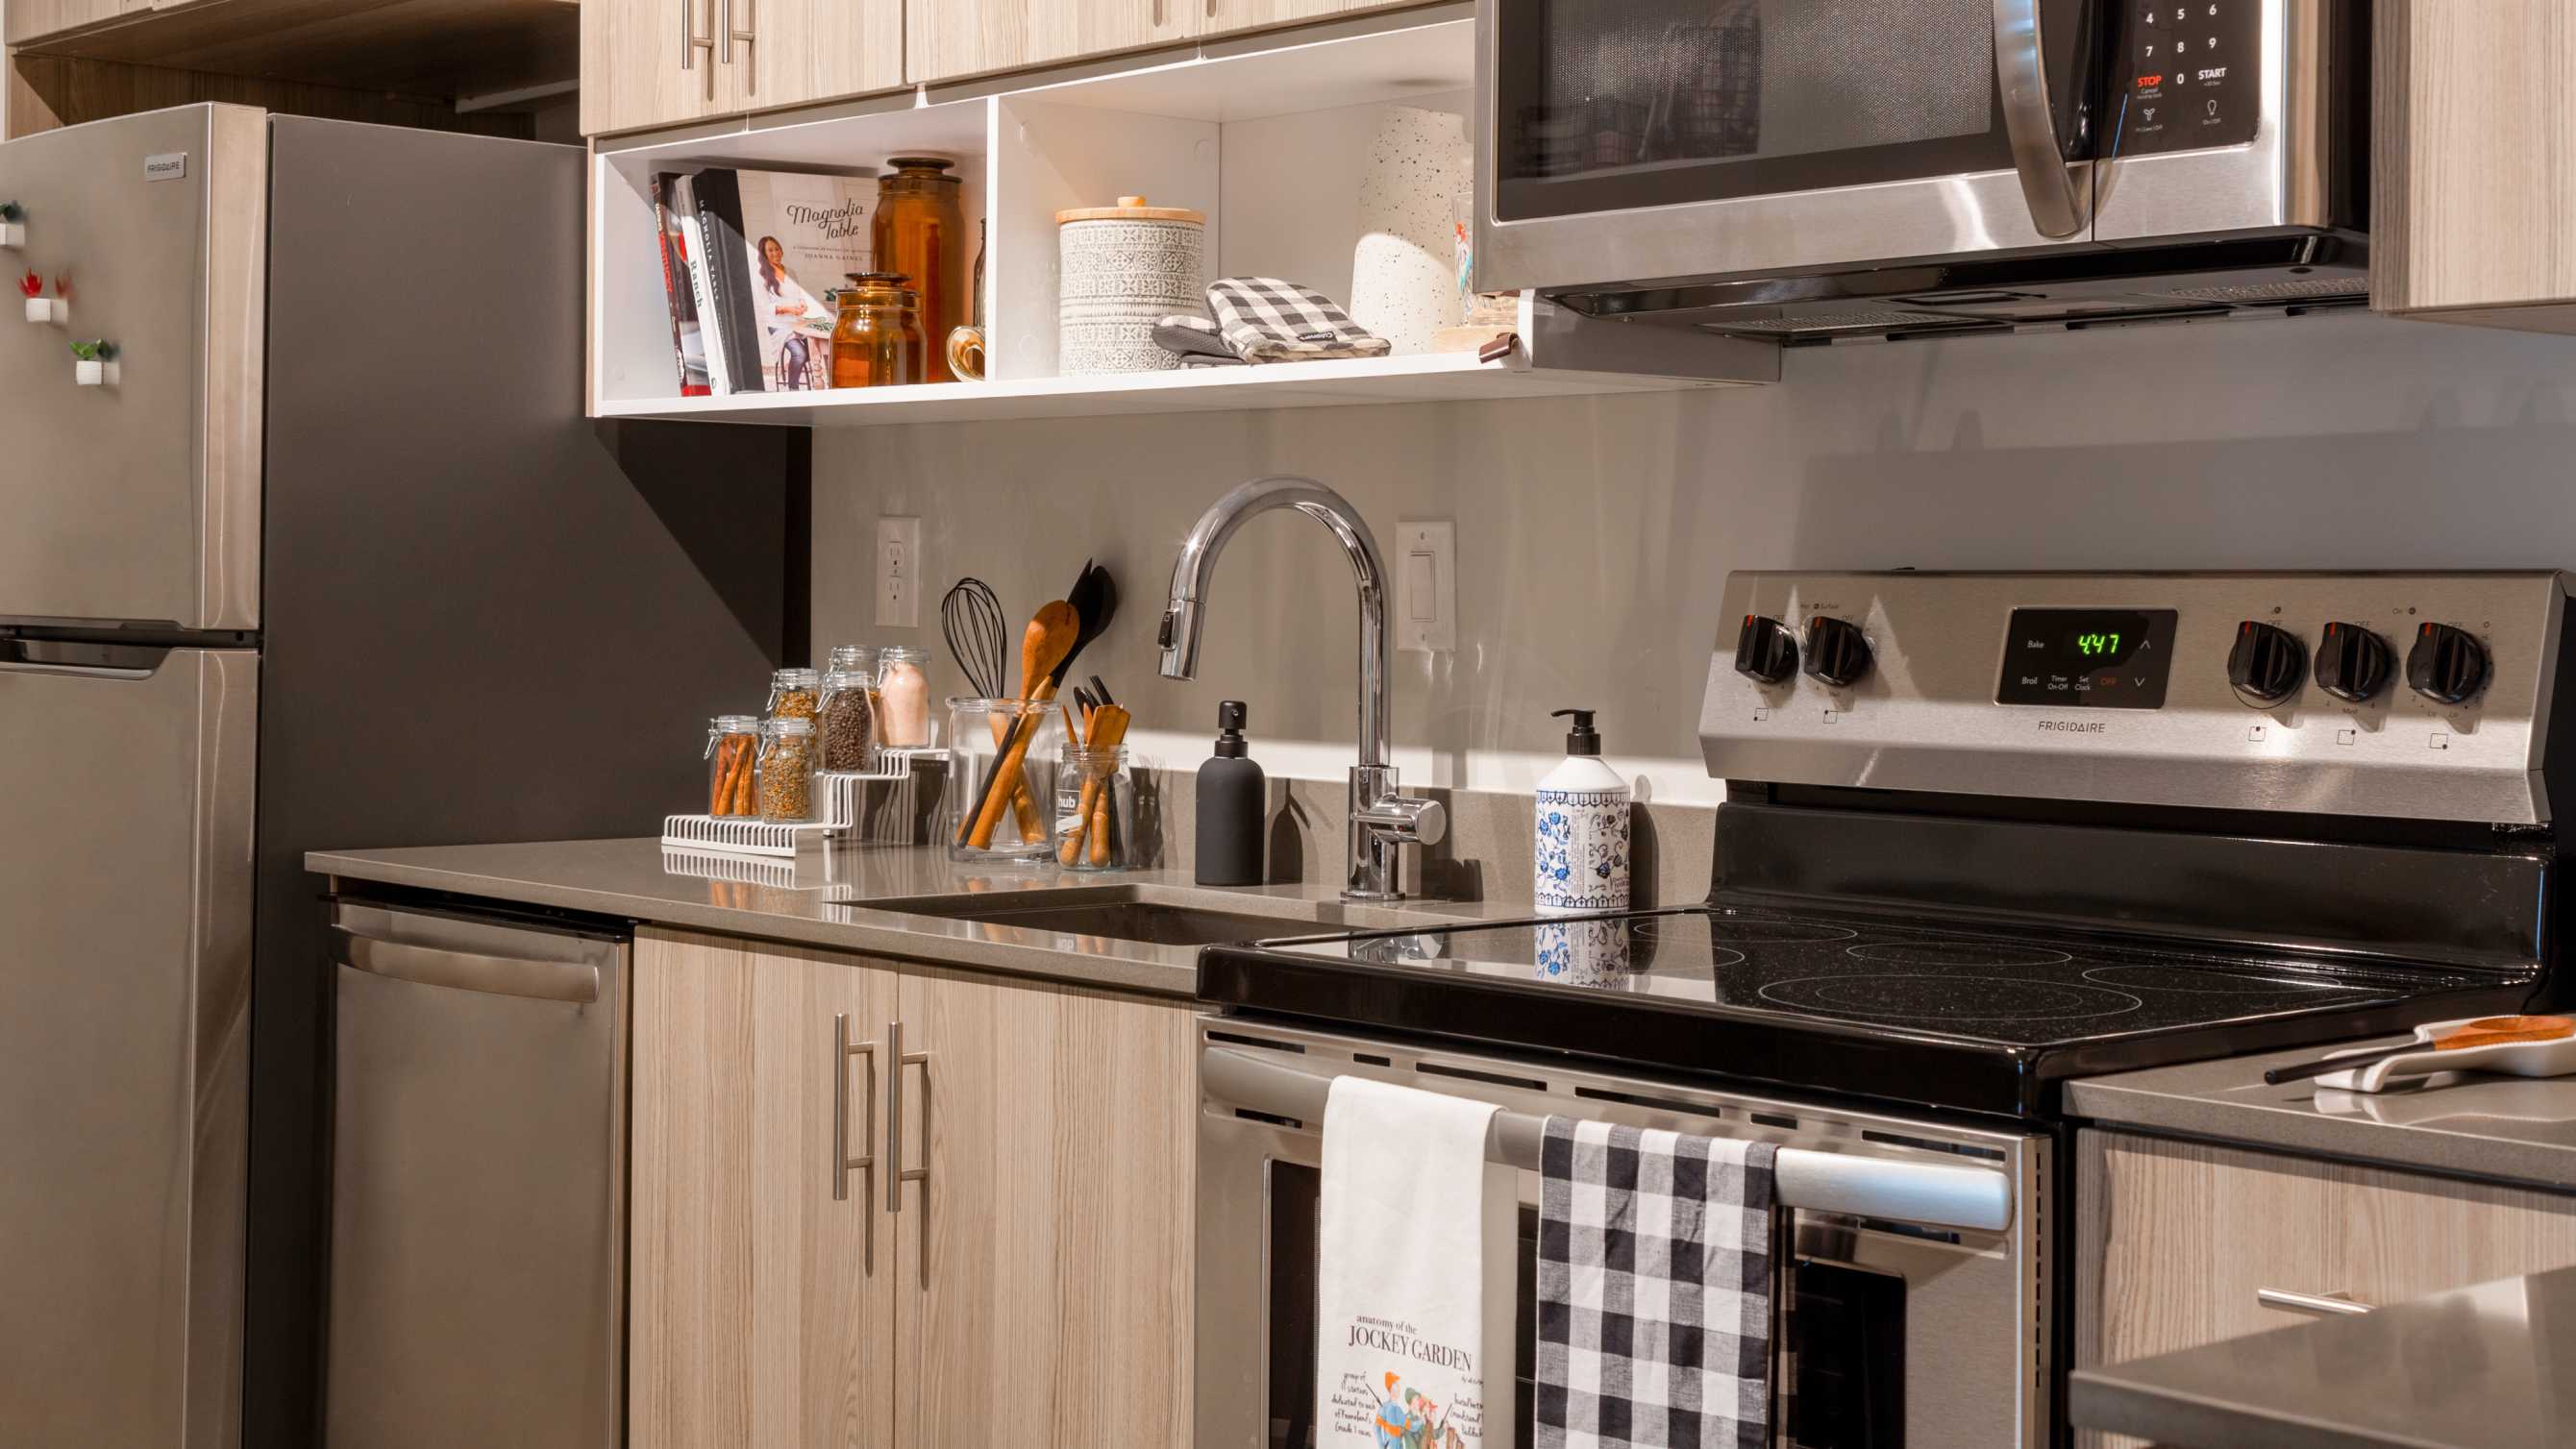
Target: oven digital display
2088	658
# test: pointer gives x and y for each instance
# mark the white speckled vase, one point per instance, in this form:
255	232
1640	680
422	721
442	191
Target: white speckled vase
1120	269
1404	274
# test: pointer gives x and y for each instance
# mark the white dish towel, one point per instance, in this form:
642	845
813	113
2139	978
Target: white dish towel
1400	1299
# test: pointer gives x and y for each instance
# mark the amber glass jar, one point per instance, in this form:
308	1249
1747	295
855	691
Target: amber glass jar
878	340
920	231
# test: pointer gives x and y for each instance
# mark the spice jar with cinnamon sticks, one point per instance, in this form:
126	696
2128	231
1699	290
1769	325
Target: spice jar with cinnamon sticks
733	750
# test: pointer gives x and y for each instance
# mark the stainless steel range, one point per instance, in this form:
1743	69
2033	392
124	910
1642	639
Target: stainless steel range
1982	833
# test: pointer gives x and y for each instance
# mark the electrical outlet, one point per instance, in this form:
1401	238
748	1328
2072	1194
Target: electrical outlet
1426	571
898	573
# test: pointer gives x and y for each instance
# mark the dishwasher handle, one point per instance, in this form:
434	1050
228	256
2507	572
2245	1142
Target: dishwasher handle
538	979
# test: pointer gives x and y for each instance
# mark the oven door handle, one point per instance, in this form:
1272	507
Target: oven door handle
2058	194
1937	1194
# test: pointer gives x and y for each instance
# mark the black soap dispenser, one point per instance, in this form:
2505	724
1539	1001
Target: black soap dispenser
1232	806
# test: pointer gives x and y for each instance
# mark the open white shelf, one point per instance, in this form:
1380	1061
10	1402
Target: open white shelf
1267	136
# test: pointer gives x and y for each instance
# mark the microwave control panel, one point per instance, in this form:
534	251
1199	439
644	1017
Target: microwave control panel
2193	78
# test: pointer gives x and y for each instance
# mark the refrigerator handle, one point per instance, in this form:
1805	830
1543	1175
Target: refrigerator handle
80	659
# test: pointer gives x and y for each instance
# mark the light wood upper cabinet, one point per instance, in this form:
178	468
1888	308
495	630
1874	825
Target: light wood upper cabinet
1032	1286
2473	166
761	1271
946	39
647	63
2175	1239
1046	1289
816	50
34	19
1223	17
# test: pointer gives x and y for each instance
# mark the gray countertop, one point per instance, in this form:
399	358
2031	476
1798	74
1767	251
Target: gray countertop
852	898
2488	1367
2510	1128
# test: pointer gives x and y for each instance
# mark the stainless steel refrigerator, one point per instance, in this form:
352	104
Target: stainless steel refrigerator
330	558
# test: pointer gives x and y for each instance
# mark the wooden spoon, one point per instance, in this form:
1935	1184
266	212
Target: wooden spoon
2486	1031
1049	640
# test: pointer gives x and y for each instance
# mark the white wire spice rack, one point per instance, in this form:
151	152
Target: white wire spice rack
844	811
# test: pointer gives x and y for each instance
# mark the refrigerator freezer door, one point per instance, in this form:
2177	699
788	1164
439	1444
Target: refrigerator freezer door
125	880
139	500
477	1197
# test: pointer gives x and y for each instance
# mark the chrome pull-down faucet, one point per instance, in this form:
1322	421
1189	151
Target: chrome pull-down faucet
1380	819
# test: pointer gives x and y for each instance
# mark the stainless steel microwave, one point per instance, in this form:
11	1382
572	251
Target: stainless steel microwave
1817	169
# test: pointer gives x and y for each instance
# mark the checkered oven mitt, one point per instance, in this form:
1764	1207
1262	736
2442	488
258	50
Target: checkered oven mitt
1195	341
1264	319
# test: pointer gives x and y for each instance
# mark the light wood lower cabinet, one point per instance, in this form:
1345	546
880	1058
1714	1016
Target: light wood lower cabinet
1031	1286
1047	1289
2174	1240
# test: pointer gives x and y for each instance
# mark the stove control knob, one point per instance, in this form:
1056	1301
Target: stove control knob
2266	663
2352	662
1765	650
1836	651
2446	665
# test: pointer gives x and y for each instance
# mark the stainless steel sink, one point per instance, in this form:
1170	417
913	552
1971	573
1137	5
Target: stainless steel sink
1157	916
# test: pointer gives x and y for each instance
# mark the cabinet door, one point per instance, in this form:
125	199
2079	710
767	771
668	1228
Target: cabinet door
31	20
814	50
760	1303
2473	144
1222	17
639	68
2174	1240
1046	1261
945	39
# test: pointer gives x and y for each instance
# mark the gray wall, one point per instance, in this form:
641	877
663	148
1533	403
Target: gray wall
1594	534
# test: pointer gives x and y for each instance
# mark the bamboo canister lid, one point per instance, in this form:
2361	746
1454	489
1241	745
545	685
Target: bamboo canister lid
1131	208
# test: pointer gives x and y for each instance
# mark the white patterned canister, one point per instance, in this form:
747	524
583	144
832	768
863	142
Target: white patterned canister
1122	268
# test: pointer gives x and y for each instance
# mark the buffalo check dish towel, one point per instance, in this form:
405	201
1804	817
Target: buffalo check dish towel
1400	1281
1654	1289
1267	320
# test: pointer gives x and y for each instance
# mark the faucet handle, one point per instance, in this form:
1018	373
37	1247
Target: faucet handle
1406	818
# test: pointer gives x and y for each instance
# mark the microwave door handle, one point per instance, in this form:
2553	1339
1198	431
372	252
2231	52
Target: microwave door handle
2058	199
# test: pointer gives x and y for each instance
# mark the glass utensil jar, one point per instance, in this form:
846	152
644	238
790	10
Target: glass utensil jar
787	757
877	338
993	810
920	230
733	748
1095	809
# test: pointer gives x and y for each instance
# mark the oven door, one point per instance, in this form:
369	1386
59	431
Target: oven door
1660	139
1890	1331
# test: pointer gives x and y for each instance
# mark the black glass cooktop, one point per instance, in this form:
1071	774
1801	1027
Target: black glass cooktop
1972	1018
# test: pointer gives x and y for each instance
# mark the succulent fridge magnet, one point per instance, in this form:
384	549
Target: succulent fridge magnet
13	224
41	308
90	360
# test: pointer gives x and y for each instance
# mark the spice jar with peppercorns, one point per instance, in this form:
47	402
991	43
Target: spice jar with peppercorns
847	714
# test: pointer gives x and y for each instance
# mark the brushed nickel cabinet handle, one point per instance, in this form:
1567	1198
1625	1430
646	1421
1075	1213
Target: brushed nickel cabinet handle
749	34
2330	1304
1158	14
866	1161
900	1174
691	42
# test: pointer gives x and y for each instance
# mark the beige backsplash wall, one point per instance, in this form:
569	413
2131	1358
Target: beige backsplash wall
1594	534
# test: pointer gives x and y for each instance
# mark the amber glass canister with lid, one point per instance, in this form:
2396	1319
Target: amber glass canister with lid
877	340
920	231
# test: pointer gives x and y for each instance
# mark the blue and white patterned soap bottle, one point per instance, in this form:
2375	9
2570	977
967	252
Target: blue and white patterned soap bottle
1581	842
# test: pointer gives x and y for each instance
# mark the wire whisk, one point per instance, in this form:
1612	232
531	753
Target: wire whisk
978	635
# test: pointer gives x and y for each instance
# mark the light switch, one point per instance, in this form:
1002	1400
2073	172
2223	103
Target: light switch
1426	614
898	573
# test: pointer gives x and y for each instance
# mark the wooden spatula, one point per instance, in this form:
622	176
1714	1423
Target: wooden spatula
2486	1031
1050	639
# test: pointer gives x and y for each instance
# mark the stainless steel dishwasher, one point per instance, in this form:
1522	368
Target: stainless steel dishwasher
478	1193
